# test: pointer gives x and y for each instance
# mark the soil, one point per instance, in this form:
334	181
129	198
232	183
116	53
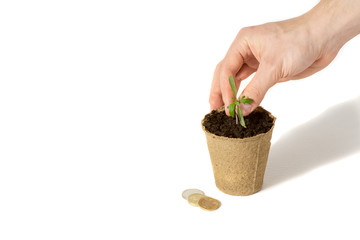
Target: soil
218	123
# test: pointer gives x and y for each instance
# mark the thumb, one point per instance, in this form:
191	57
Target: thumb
263	79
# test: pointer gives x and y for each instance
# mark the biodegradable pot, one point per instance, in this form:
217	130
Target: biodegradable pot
239	163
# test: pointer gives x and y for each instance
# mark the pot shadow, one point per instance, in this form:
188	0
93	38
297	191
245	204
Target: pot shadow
332	135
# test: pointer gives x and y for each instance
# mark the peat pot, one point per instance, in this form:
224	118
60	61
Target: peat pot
239	163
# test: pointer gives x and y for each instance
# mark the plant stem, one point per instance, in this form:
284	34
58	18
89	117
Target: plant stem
236	116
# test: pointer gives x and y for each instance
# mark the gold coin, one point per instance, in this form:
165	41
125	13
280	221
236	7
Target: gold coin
193	199
188	192
208	203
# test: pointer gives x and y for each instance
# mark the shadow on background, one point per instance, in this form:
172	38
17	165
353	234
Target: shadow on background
329	137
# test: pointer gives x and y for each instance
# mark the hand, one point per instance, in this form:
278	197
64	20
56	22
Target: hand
278	52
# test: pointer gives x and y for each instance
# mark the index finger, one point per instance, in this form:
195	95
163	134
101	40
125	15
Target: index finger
232	63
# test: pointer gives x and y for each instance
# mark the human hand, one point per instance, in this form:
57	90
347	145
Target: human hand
281	51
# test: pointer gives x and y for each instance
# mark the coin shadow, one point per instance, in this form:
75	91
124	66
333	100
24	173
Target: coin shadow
330	137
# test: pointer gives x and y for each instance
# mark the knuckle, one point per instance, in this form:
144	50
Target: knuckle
245	30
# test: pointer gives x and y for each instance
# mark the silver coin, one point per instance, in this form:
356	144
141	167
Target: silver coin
188	192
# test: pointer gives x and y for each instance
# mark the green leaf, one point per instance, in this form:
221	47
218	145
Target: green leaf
231	108
246	100
232	85
241	117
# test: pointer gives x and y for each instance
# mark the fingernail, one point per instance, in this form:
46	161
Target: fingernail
246	108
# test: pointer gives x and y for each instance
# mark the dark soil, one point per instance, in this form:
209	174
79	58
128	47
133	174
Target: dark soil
220	124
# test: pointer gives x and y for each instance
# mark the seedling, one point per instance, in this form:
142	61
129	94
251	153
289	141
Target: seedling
234	107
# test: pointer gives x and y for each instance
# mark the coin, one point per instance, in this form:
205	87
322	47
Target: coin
188	192
193	199
208	203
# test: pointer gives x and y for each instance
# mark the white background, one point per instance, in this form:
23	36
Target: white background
100	110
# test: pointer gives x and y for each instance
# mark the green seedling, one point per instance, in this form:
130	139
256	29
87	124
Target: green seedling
234	107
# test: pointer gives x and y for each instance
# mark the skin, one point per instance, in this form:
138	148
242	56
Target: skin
283	51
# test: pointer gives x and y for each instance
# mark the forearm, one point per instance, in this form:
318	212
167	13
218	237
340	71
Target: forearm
334	21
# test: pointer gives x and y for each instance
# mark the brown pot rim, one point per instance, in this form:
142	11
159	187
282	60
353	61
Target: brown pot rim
248	139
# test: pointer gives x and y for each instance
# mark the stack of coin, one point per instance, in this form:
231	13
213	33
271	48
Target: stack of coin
197	198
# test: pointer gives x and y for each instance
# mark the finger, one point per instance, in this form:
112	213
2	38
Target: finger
244	73
232	64
215	98
226	91
265	78
252	62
